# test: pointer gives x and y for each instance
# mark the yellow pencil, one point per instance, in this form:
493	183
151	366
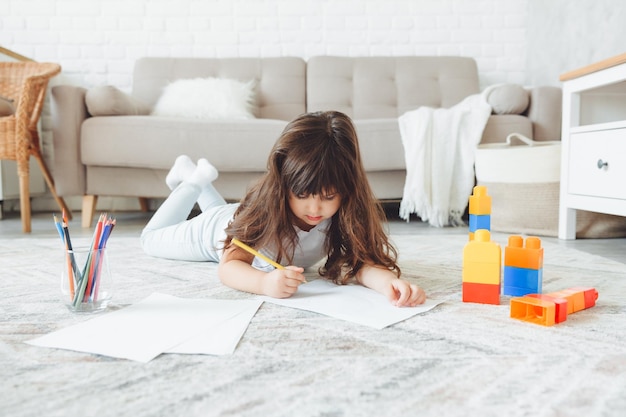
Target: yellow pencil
257	254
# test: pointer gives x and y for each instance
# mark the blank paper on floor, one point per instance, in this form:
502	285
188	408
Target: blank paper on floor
354	303
155	325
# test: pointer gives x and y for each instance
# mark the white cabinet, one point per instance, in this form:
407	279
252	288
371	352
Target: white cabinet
593	160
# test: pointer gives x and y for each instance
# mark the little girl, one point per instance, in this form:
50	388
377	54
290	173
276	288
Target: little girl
314	203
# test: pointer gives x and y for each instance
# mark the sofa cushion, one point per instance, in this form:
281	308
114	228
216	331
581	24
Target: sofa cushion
387	87
280	81
507	98
207	98
107	100
380	144
155	142
6	106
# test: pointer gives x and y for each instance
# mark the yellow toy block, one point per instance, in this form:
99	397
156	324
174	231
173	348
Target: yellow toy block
482	259
482	249
479	201
481	273
533	310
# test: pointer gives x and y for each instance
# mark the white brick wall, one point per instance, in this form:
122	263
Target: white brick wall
97	41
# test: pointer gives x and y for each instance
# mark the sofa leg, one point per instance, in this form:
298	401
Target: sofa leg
144	204
89	208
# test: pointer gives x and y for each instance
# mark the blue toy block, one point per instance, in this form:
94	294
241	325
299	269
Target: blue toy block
528	281
477	222
516	291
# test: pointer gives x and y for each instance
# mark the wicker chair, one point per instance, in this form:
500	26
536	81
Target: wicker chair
26	83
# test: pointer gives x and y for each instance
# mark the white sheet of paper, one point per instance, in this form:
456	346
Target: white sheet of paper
145	329
354	303
223	338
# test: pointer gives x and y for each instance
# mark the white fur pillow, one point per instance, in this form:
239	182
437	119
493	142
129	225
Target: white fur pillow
207	98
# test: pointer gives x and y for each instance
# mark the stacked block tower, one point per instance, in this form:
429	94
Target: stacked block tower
481	269
523	266
479	211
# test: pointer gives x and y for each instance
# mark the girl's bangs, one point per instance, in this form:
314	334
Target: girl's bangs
318	178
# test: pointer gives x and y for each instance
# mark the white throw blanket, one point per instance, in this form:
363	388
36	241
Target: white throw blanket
439	149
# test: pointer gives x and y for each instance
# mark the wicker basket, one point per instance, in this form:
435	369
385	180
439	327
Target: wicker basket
523	182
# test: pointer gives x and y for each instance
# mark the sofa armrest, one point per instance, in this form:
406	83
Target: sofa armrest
68	113
544	111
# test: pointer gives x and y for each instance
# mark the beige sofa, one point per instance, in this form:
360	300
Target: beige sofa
126	151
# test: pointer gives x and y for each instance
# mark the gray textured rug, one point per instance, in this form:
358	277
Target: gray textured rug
458	359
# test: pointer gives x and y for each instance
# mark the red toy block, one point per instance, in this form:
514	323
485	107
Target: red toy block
481	293
590	295
479	201
529	256
533	310
560	306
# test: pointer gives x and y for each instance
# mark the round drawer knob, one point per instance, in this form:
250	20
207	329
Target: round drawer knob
602	164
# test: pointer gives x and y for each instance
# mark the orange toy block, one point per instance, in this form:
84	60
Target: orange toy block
533	310
520	255
578	298
479	201
565	302
591	295
560	306
481	293
482	260
575	300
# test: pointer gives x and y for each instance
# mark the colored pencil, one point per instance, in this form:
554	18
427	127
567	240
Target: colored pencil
84	284
257	254
92	265
70	264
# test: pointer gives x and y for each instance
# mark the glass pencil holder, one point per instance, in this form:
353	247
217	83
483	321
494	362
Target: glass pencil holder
86	282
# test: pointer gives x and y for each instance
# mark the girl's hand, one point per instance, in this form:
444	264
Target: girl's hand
283	283
404	294
399	292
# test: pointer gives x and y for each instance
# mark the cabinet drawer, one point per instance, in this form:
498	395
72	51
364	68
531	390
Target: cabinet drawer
587	150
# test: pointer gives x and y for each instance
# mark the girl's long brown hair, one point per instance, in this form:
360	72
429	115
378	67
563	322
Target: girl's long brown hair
317	153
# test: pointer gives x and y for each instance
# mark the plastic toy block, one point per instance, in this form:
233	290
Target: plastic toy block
575	300
516	291
578	298
479	201
528	281
590	295
482	259
560	306
481	293
533	310
481	273
479	221
565	302
520	255
482	249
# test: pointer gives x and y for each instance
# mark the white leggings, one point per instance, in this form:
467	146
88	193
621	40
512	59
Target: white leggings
170	235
